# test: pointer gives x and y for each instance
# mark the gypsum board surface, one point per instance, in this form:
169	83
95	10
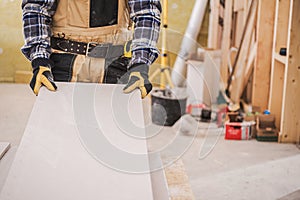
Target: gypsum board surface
74	148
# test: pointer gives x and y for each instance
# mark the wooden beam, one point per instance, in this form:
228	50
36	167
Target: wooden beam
226	41
239	5
236	87
250	63
290	121
276	95
281	26
212	41
263	63
178	182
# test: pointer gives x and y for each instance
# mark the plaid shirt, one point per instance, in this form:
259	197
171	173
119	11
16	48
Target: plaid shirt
37	20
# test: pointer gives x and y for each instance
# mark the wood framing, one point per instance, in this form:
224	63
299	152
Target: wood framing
240	10
212	41
237	87
216	24
263	61
239	5
290	122
226	41
178	182
285	74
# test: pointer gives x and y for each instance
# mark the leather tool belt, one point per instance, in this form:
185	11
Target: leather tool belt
90	49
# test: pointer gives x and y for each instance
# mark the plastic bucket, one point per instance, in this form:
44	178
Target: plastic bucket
166	110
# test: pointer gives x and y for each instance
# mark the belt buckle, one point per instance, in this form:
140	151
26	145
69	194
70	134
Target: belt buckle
99	50
89	46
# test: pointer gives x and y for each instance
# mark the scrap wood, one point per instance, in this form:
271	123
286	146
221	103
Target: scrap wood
235	85
250	63
226	40
178	182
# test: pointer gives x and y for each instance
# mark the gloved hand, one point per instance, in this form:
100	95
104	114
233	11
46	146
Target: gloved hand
42	75
138	79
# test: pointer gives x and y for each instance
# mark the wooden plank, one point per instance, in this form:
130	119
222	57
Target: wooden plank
282	24
276	95
242	57
263	63
277	74
240	9
226	41
250	63
4	146
76	146
238	5
291	107
178	182
280	58
240	24
212	41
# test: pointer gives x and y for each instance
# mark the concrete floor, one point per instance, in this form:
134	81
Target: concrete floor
217	168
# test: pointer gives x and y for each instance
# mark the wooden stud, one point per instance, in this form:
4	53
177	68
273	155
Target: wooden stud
263	63
178	182
238	5
212	41
277	70
236	88
226	41
239	25
250	63
280	58
276	95
282	24
290	127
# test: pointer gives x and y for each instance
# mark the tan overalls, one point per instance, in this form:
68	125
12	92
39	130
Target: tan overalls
76	32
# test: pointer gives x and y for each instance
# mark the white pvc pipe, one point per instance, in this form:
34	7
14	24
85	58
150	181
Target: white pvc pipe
189	42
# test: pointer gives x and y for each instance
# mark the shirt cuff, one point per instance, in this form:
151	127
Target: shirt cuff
143	56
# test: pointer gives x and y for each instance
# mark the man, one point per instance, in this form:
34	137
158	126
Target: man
91	41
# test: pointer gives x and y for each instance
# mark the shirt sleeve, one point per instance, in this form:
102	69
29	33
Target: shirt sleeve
37	20
146	17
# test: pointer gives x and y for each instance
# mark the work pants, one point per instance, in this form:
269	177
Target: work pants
80	68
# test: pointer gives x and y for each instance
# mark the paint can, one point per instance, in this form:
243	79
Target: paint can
167	107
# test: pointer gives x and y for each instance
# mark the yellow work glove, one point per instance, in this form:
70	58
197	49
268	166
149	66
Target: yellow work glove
42	75
138	79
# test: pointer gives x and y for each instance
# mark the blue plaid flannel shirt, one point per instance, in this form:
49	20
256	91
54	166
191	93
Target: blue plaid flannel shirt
37	19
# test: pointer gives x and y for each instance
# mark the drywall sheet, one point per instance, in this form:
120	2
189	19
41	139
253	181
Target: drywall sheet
85	141
4	146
